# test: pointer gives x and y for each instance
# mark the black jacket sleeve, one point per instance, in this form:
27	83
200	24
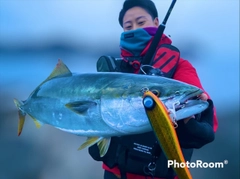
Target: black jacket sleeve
197	133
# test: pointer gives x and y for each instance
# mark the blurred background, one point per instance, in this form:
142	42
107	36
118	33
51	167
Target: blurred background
35	34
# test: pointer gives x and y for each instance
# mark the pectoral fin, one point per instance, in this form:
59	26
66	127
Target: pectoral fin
103	144
80	107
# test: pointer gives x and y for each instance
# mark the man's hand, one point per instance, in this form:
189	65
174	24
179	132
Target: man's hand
203	97
194	133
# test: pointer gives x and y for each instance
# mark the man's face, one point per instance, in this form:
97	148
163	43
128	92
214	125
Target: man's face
137	17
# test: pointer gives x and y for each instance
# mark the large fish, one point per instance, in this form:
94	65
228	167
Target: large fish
102	105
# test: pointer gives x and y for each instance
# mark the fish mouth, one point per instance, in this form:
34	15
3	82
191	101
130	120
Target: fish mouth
186	105
189	97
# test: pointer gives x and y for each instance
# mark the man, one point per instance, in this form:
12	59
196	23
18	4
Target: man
139	20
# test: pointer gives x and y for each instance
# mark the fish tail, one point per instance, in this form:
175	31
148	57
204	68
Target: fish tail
21	115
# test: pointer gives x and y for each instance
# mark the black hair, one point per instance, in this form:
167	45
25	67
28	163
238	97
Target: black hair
147	5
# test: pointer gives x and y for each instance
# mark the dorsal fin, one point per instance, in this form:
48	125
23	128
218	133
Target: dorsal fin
59	70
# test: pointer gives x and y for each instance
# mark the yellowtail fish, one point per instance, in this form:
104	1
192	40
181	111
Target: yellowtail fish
102	105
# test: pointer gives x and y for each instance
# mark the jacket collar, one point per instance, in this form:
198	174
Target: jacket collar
164	40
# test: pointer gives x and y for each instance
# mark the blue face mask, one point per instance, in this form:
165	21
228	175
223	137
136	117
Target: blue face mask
135	41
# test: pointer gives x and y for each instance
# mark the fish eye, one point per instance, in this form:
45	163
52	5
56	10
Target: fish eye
156	92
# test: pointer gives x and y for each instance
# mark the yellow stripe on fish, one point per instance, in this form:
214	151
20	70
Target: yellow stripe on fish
165	132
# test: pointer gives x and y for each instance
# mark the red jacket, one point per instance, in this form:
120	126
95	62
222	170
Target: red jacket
185	72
